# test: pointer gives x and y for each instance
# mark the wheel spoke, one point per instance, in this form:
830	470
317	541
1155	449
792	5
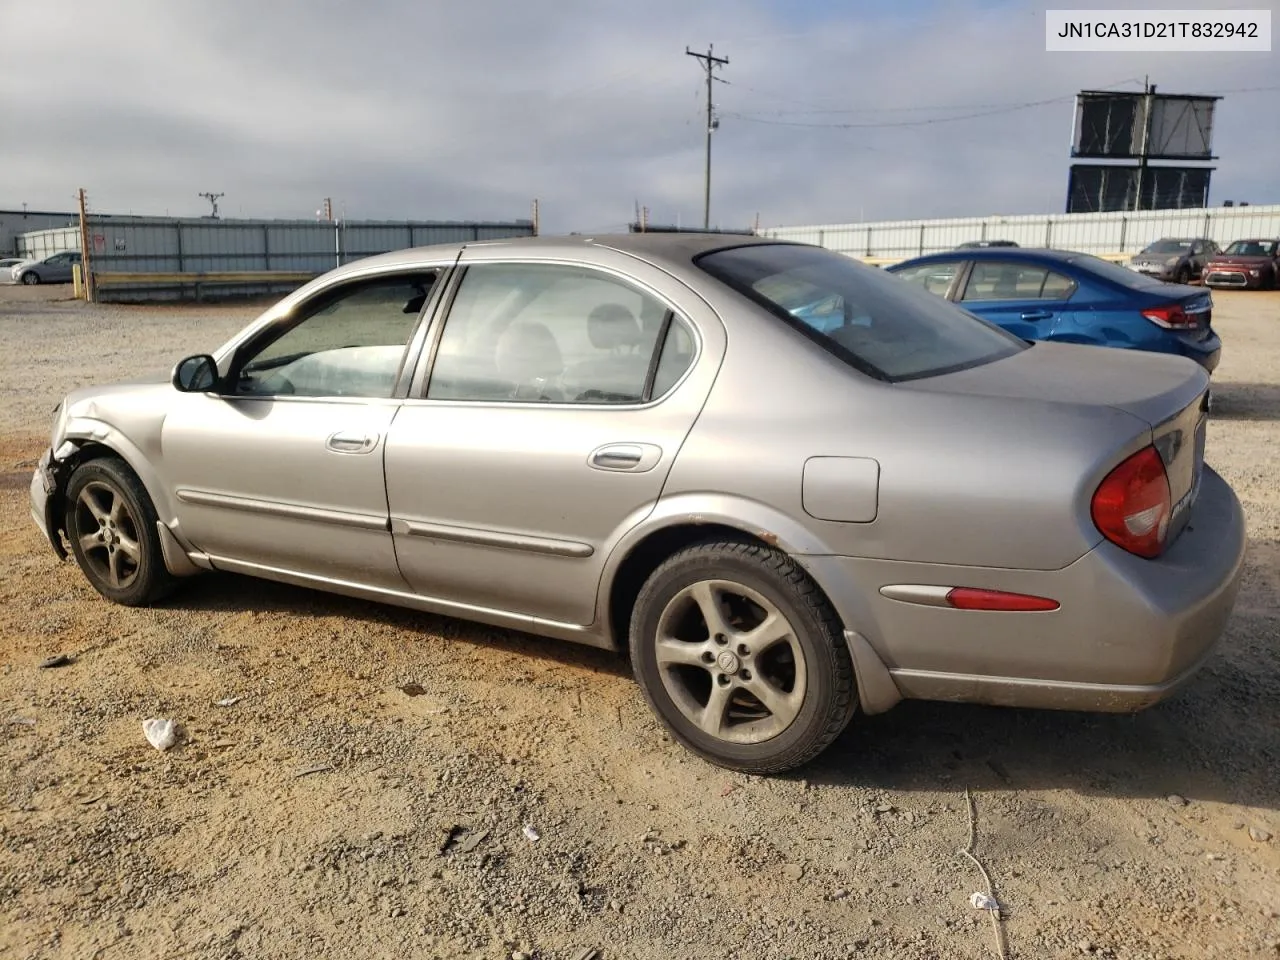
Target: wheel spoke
672	652
709	604
90	541
774	628
711	720
784	706
129	547
89	498
117	508
113	568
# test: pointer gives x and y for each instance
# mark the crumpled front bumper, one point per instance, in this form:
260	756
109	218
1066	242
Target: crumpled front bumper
45	500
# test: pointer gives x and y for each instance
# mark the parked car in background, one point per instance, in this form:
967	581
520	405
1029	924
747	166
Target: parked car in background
6	267
983	244
635	443
53	268
1246	264
1071	297
1180	260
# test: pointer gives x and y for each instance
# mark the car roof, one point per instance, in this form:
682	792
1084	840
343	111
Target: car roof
671	247
1001	253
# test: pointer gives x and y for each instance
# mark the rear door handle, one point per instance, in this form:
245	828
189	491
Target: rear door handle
1037	315
350	442
628	457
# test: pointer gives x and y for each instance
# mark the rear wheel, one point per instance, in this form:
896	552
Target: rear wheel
1183	275
31	278
111	524
741	657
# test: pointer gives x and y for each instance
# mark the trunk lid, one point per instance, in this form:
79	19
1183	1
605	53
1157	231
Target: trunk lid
1168	394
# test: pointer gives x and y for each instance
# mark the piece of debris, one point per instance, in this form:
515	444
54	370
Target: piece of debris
472	841
587	953
61	660
226	702
91	800
1214	856
161	734
413	689
315	768
885	808
728	789
1258	835
982	901
449	833
23	721
1176	800
531	834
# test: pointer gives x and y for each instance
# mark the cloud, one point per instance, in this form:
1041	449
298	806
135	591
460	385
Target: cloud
402	109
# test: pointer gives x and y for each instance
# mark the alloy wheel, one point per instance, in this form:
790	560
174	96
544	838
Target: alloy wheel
730	661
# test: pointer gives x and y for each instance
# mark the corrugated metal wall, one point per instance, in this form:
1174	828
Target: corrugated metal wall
1098	233
14	223
204	245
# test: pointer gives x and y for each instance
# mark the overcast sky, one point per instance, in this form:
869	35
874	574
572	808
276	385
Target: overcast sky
468	110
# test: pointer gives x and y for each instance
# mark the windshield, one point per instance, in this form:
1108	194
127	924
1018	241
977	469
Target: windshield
1169	246
1251	248
870	319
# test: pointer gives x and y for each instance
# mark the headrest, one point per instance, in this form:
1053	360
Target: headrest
527	352
612	325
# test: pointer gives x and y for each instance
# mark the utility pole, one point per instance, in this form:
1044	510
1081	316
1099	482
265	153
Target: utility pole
213	201
709	63
535	217
1148	90
85	273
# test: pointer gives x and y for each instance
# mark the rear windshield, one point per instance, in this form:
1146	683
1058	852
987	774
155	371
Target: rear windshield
872	320
1116	273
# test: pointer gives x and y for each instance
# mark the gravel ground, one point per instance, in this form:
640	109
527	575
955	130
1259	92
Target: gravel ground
367	793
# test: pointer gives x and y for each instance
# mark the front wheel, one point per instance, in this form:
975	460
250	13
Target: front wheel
111	524
741	657
31	278
1183	275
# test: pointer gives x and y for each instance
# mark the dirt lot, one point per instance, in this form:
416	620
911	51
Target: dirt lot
1120	837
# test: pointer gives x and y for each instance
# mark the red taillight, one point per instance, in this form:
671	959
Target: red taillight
972	598
1172	317
1132	506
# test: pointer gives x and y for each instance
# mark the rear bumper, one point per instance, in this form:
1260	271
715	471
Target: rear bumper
1206	352
1128	632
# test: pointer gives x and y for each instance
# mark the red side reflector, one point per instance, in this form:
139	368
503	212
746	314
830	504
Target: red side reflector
971	598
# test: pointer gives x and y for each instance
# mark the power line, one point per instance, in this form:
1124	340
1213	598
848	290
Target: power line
903	123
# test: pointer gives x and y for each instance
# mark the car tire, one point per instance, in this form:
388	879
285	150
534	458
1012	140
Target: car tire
31	278
722	627
111	524
1183	275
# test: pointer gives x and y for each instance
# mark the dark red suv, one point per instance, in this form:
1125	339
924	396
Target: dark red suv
1246	264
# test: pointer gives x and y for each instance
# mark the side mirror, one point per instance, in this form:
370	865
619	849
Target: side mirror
195	374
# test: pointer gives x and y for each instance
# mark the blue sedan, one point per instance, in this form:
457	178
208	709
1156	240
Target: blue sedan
1072	297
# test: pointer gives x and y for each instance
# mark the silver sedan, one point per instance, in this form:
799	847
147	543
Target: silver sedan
792	487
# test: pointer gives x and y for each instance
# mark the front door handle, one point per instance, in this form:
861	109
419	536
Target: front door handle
1037	315
628	457
351	442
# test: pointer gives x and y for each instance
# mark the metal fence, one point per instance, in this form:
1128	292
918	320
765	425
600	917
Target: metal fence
165	246
1108	234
